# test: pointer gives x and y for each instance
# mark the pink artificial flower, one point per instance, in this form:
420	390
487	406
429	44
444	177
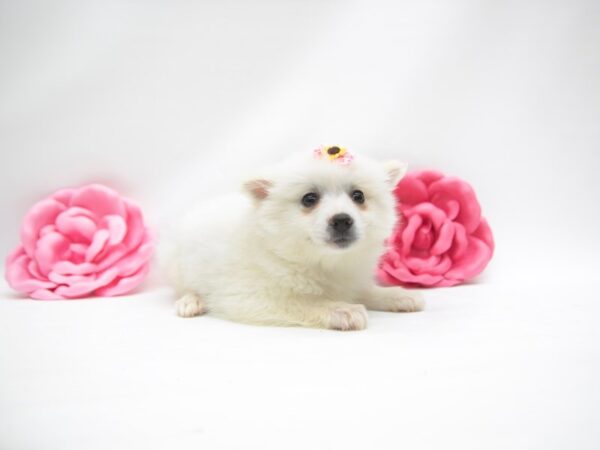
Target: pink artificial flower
80	242
441	240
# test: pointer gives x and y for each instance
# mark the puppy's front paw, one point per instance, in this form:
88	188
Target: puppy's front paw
402	300
393	299
189	305
348	317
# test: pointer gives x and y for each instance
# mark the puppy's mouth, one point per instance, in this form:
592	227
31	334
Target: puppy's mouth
342	241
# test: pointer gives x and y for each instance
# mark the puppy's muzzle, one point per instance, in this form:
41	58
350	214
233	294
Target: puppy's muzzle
341	230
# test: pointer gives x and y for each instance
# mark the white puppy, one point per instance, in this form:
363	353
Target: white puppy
298	247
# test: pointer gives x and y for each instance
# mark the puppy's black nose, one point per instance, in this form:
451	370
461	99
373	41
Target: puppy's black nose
341	222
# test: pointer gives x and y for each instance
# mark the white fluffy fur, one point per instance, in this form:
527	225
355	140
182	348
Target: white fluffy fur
261	257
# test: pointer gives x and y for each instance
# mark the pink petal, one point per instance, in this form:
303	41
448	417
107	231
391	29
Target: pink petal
410	190
484	232
429	176
64	195
79	249
116	227
135	226
408	234
45	294
400	274
474	260
460	243
51	228
98	199
448	204
70	279
69	268
98	243
33	270
77	227
111	255
444	265
41	214
123	285
87	287
403	276
433	265
444	239
424	238
393	256
396	238
18	276
420	265
470	211
49	249
78	211
429	211
141	255
446	283
132	262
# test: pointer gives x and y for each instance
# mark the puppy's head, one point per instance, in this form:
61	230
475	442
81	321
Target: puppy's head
308	204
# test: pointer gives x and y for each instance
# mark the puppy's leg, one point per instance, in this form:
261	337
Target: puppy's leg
311	313
346	316
189	305
331	315
394	299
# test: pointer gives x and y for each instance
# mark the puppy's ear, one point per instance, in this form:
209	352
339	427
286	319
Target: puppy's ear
395	170
258	189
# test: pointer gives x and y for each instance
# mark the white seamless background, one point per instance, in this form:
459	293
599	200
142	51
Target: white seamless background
172	101
167	100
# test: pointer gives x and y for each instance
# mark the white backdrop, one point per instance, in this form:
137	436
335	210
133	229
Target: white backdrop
168	100
155	97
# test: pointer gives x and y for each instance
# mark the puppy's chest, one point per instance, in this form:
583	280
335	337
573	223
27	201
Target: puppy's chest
274	278
313	284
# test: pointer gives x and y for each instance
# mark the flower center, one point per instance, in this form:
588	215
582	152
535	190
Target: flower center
424	237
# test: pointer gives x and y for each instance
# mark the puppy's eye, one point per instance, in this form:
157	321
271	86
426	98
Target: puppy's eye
310	199
357	196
